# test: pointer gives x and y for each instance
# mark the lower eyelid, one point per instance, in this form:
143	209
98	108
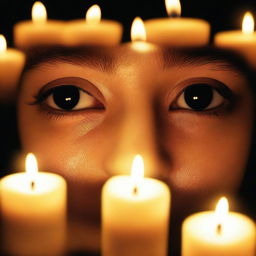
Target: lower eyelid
58	114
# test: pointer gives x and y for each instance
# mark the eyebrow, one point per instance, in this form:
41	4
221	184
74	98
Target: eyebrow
97	57
222	60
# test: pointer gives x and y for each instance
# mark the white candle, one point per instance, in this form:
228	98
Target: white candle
243	41
177	31
93	30
11	65
33	208
218	233
135	215
38	31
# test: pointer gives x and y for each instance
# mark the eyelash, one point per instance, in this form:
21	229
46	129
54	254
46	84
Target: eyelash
223	90
57	114
52	113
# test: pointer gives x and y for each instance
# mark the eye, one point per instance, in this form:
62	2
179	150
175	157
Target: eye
199	97
69	98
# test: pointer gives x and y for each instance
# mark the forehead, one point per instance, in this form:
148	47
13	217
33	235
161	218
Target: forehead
108	59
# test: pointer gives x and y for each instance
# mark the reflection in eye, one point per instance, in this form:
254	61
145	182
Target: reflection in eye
200	97
68	98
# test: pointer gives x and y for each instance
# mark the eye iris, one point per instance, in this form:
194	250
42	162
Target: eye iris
66	97
198	96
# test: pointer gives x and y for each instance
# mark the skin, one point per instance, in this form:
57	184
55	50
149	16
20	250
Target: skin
200	155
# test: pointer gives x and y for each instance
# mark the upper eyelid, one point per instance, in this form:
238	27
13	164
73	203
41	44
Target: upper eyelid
79	82
44	95
180	87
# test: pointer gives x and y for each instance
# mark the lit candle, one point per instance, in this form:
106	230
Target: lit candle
218	233
38	31
33	207
135	214
139	36
11	65
243	41
92	30
177	31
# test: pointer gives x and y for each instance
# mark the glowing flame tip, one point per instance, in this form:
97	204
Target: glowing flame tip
93	15
221	210
138	32
39	14
173	7
137	171
248	23
31	165
3	44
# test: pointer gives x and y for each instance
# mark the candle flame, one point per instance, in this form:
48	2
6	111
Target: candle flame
248	23
31	166
93	15
221	210
39	14
173	7
137	170
138	32
3	44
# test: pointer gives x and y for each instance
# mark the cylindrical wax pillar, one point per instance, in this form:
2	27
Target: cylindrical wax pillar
39	31
92	30
177	31
203	234
33	214
135	218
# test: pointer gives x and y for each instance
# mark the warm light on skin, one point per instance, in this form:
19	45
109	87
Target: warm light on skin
3	44
93	15
137	170
173	7
248	23
31	167
138	32
221	211
39	14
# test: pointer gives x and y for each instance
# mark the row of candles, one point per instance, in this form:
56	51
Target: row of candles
135	210
178	32
135	217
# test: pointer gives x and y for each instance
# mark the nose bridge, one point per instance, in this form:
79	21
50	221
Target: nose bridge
137	135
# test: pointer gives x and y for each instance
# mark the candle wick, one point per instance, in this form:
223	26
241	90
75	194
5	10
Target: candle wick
32	184
135	190
174	15
219	229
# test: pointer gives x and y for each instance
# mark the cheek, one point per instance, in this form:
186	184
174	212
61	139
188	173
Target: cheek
208	154
69	145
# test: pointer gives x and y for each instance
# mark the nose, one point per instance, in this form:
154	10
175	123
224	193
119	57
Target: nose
137	132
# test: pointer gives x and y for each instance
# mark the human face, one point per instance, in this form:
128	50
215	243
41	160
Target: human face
189	115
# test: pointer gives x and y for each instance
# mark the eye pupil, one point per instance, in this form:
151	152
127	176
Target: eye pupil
198	96
66	97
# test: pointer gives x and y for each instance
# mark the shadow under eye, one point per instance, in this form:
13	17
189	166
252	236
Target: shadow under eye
203	97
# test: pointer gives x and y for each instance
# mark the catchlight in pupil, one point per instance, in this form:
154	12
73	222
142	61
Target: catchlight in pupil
66	97
198	96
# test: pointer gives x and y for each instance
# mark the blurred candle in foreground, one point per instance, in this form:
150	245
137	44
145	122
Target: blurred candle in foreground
218	233
39	31
11	65
177	31
93	30
135	214
33	207
243	41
